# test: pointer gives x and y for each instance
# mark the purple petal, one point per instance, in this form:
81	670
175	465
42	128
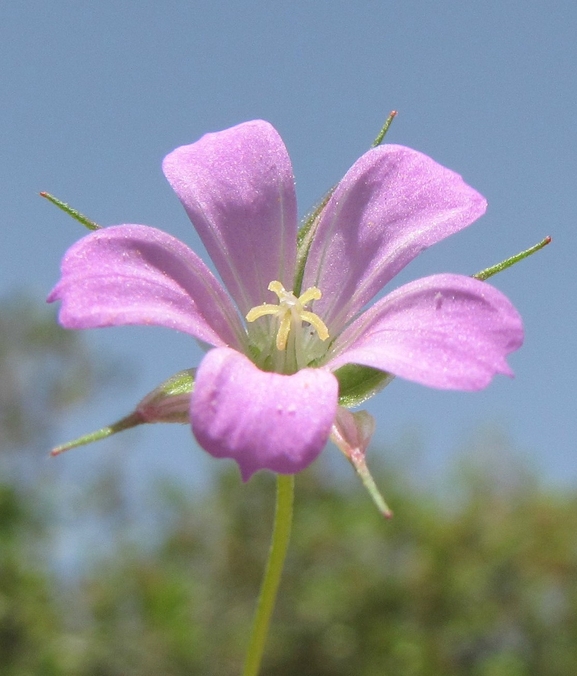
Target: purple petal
237	187
262	420
393	203
445	331
133	274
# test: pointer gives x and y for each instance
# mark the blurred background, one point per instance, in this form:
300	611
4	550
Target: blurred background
141	554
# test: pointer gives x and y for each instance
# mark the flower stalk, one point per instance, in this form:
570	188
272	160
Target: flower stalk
272	575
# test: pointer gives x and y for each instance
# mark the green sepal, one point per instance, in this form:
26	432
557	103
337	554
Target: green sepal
168	403
81	218
499	267
351	433
305	238
359	464
125	423
384	129
358	383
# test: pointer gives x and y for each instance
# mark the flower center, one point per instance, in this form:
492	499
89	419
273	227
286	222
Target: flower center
291	313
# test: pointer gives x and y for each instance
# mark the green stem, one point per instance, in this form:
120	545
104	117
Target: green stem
272	575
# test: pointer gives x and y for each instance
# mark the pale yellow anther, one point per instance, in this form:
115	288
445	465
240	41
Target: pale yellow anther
261	311
290	311
310	294
315	321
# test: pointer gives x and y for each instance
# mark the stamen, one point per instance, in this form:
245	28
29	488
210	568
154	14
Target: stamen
316	322
283	331
261	311
290	311
310	294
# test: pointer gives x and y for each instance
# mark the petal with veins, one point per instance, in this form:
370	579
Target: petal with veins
134	274
445	331
237	187
393	203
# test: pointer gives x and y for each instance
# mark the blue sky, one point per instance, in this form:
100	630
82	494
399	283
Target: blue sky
95	94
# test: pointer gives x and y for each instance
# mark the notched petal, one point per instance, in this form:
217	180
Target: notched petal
259	419
445	331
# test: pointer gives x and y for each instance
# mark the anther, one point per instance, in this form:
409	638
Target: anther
289	311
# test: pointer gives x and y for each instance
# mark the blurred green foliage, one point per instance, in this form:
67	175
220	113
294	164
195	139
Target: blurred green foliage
479	579
485	586
43	371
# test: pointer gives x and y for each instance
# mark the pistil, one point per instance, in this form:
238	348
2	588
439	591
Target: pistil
290	312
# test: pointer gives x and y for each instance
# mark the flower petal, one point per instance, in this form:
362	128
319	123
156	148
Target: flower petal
262	420
133	274
445	331
393	203
237	187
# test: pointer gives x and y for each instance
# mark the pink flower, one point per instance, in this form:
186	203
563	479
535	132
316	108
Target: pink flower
284	340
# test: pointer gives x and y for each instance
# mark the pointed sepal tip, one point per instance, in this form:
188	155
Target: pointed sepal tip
507	263
125	423
76	215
